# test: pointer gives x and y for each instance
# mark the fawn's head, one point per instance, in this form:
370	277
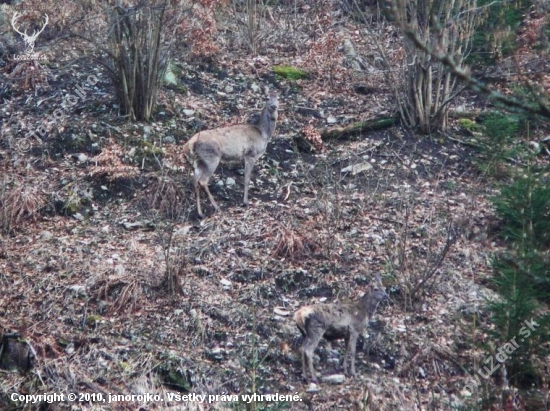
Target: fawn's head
376	290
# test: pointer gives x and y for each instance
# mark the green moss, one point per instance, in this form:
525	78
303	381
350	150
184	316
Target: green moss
92	320
468	124
289	72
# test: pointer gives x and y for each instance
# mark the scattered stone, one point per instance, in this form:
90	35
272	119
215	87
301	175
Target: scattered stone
188	112
78	289
313	388
226	284
216	353
357	168
282	312
332	120
46	235
309	112
182	232
169	140
78	216
144	225
334	379
229	89
230	182
255	88
82	157
101	307
421	372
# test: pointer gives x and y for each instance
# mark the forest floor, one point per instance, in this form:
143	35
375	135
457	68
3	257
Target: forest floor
121	289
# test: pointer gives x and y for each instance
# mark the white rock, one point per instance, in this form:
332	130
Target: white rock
357	168
78	289
188	112
46	235
181	232
280	311
334	379
332	120
313	388
230	182
421	372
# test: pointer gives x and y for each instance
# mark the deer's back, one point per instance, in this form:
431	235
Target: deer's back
333	318
233	142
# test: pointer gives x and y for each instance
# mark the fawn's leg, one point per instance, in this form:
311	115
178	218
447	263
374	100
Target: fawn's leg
311	341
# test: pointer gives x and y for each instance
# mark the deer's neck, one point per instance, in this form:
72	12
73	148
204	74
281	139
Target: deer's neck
369	306
268	122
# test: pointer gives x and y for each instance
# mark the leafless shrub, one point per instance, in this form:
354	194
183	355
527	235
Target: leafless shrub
418	265
122	289
132	41
26	75
445	26
292	245
167	197
175	260
109	163
19	201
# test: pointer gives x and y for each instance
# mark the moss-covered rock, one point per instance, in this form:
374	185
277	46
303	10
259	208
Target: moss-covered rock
290	73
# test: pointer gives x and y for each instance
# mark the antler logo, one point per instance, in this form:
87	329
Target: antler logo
29	40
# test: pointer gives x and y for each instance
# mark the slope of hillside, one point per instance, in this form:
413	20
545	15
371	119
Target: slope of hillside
118	287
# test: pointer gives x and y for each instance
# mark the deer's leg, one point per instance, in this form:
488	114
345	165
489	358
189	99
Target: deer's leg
311	341
203	171
196	178
248	166
350	352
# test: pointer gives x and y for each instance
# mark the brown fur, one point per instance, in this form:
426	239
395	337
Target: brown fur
336	321
246	142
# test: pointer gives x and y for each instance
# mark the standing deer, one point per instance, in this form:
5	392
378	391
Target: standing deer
246	142
336	321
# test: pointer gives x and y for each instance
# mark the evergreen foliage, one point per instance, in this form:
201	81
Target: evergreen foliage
522	275
496	36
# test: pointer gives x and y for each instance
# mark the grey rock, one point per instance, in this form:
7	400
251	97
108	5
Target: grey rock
334	379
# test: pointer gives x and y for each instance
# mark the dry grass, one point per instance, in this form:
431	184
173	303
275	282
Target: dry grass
20	200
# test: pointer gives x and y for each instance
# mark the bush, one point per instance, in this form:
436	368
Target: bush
499	142
496	36
522	275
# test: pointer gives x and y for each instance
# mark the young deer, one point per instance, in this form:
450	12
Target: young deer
246	142
336	321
